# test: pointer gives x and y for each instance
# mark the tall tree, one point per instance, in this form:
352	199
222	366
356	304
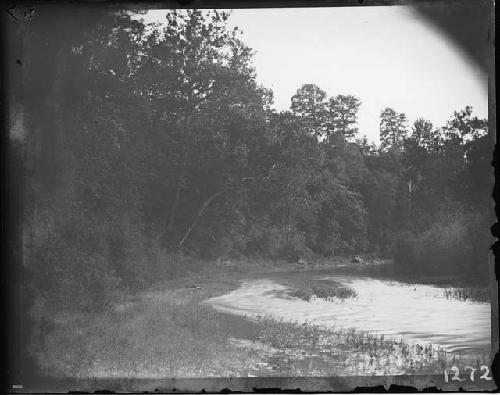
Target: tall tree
424	134
309	106
343	115
463	126
392	129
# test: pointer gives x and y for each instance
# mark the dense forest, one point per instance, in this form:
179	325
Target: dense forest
148	148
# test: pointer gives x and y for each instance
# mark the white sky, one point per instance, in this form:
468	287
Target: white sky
386	56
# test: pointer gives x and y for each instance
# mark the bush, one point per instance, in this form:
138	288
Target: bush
138	258
84	262
71	264
264	242
272	242
454	244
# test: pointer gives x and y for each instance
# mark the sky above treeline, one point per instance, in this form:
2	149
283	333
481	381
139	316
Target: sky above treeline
386	56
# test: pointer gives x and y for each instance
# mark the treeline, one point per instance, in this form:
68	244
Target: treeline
146	145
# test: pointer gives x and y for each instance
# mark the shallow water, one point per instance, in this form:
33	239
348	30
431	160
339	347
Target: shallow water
418	313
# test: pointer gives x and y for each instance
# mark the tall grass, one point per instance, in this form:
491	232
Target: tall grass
354	352
475	294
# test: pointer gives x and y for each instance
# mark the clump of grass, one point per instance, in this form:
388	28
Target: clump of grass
307	289
283	334
475	294
353	352
300	294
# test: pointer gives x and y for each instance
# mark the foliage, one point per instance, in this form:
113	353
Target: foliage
456	245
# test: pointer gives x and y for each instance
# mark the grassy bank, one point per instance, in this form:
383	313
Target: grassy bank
164	332
167	331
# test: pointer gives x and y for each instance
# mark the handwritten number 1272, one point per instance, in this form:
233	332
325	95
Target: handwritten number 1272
456	376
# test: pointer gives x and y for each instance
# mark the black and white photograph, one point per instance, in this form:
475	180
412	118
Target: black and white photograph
207	198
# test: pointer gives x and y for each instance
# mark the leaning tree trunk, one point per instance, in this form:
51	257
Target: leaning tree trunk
180	185
201	211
